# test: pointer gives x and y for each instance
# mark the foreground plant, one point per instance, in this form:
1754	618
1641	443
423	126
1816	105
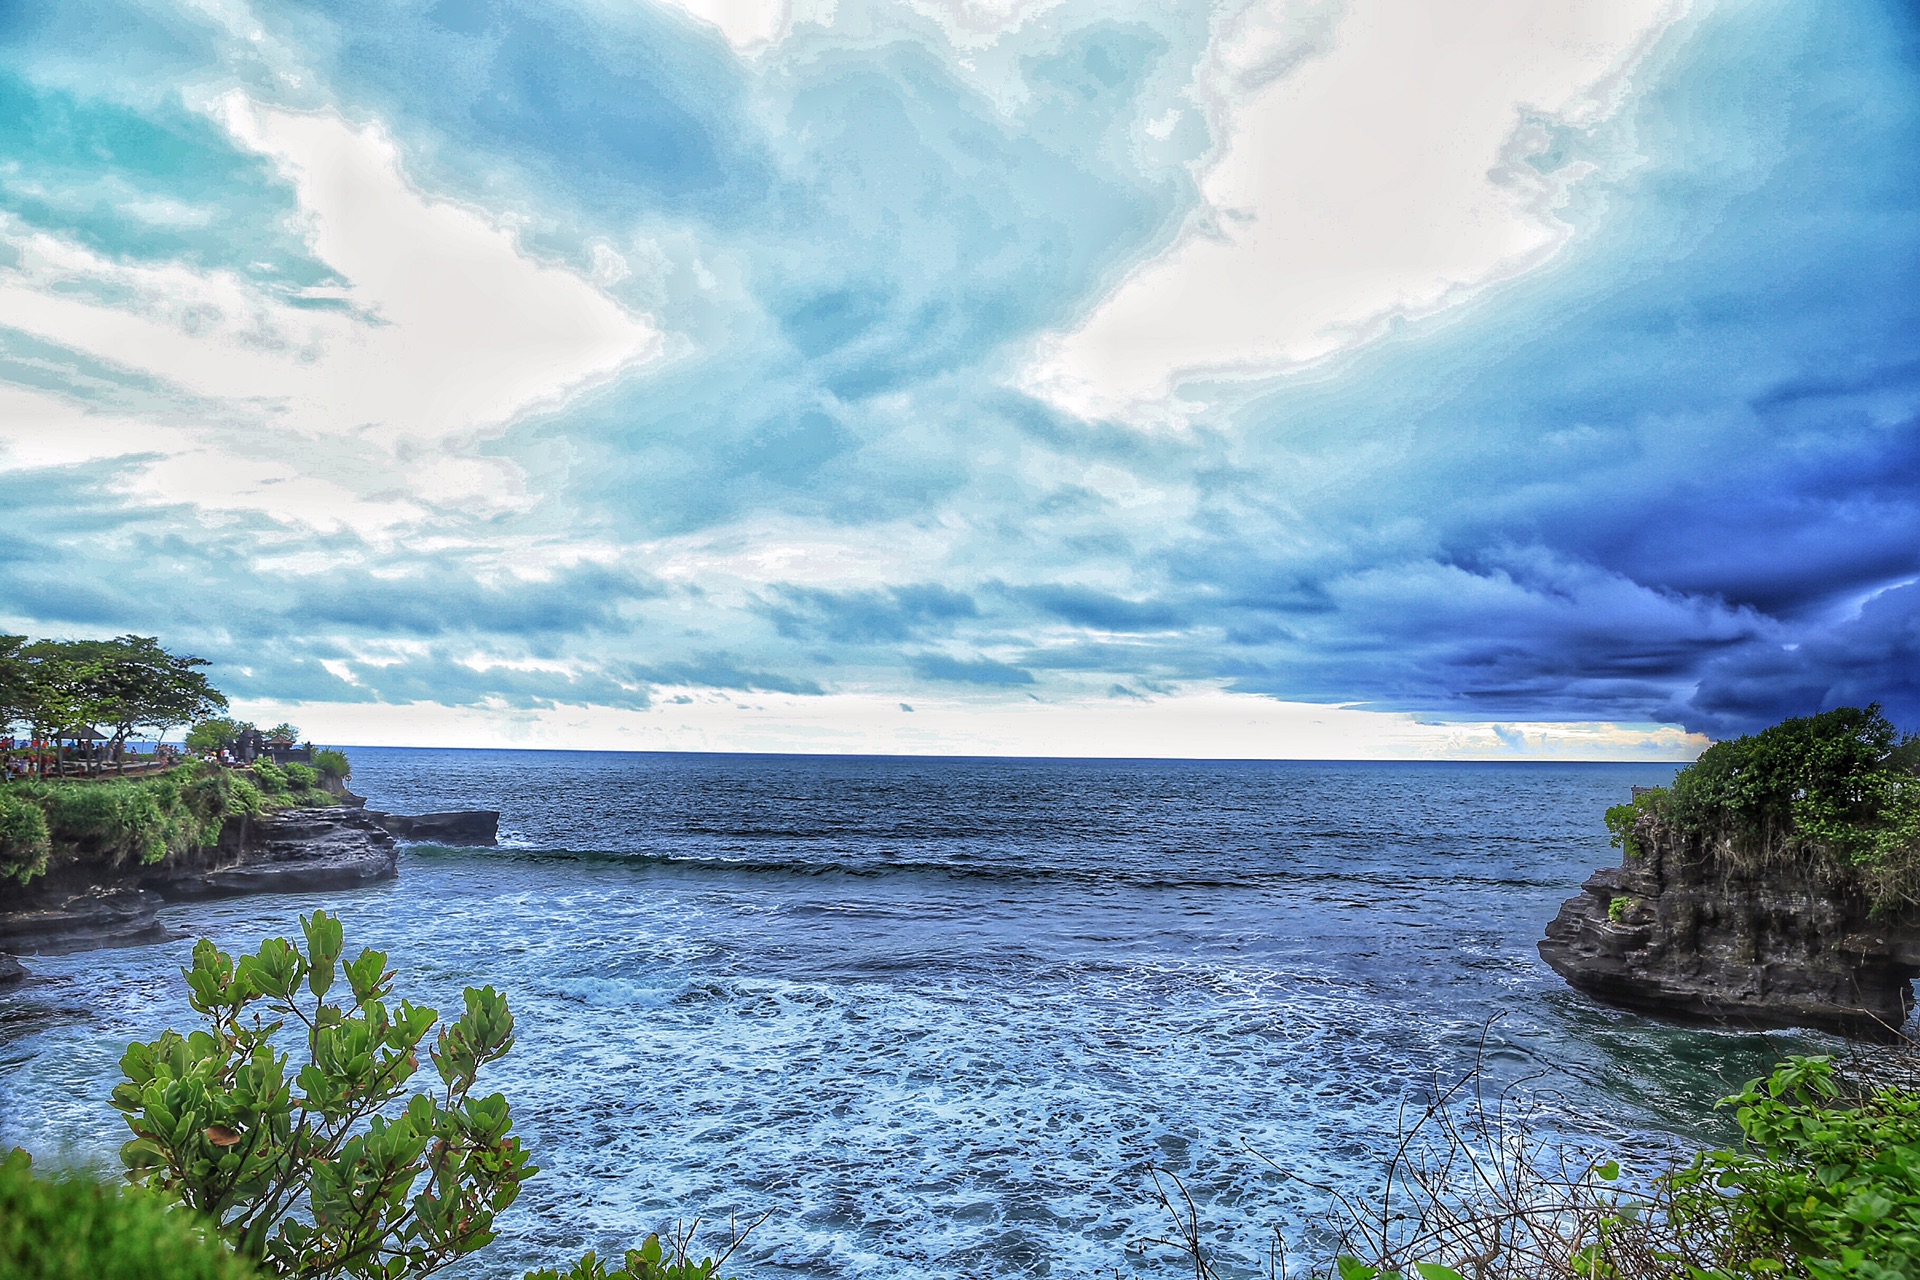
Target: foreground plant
68	1226
316	1171
653	1260
1824	1186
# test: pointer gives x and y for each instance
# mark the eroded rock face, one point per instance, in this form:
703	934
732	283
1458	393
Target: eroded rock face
1694	937
460	826
297	850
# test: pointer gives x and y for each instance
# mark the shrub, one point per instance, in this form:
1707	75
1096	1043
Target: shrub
121	820
24	840
314	1173
71	1227
301	777
1618	908
651	1261
1821	1186
270	777
1837	791
332	764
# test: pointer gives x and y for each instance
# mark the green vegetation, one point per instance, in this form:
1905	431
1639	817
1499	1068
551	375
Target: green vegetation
139	821
24	841
314	1171
1839	792
211	736
1618	908
332	765
1822	1187
123	684
1824	1184
70	1227
653	1260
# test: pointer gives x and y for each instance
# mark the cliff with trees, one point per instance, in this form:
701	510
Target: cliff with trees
1776	883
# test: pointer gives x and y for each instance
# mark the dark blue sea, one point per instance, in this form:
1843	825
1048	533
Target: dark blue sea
944	1017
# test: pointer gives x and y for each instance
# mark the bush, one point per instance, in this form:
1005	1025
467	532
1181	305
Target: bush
1822	1187
24	840
73	1228
651	1261
271	778
332	764
120	820
300	776
314	1172
1837	792
143	820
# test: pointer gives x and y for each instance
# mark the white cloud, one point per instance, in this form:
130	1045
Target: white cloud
1200	725
749	25
443	327
1373	170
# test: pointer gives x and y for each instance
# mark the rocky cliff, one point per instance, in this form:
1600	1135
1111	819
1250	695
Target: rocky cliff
1683	928
77	907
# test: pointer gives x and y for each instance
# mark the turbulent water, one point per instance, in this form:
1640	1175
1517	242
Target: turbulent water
944	1017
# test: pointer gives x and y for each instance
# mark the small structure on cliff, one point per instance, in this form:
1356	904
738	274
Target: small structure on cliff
1777	883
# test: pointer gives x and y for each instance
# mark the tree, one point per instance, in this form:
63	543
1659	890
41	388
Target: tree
283	732
209	736
315	1173
14	691
57	691
130	682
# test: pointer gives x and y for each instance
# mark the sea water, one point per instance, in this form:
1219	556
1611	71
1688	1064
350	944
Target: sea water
942	1017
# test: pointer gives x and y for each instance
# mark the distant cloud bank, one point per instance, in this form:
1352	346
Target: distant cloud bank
1243	378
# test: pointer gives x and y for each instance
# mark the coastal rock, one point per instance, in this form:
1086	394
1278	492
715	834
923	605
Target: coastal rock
294	851
1694	936
461	826
299	850
11	971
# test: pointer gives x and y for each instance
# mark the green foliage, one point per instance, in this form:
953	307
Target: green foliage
209	736
332	764
24	842
315	1172
1353	1269
301	777
243	797
142	820
120	684
283	732
1838	782
1623	820
71	1227
1820	1189
271	778
651	1261
1837	790
1618	908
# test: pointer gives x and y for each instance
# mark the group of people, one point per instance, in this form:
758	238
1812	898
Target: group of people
21	757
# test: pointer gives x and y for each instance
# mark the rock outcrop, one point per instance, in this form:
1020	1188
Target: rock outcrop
461	826
75	908
1676	930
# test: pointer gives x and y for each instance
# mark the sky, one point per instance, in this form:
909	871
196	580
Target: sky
1271	378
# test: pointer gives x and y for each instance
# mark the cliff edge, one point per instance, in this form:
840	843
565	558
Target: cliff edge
1685	931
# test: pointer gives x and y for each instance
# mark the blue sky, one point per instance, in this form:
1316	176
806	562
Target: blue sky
1263	377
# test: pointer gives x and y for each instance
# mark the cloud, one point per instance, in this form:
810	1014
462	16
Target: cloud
1371	163
629	363
980	671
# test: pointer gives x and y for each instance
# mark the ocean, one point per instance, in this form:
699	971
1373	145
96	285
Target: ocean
942	1017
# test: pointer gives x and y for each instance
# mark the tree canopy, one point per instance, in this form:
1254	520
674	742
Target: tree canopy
129	682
